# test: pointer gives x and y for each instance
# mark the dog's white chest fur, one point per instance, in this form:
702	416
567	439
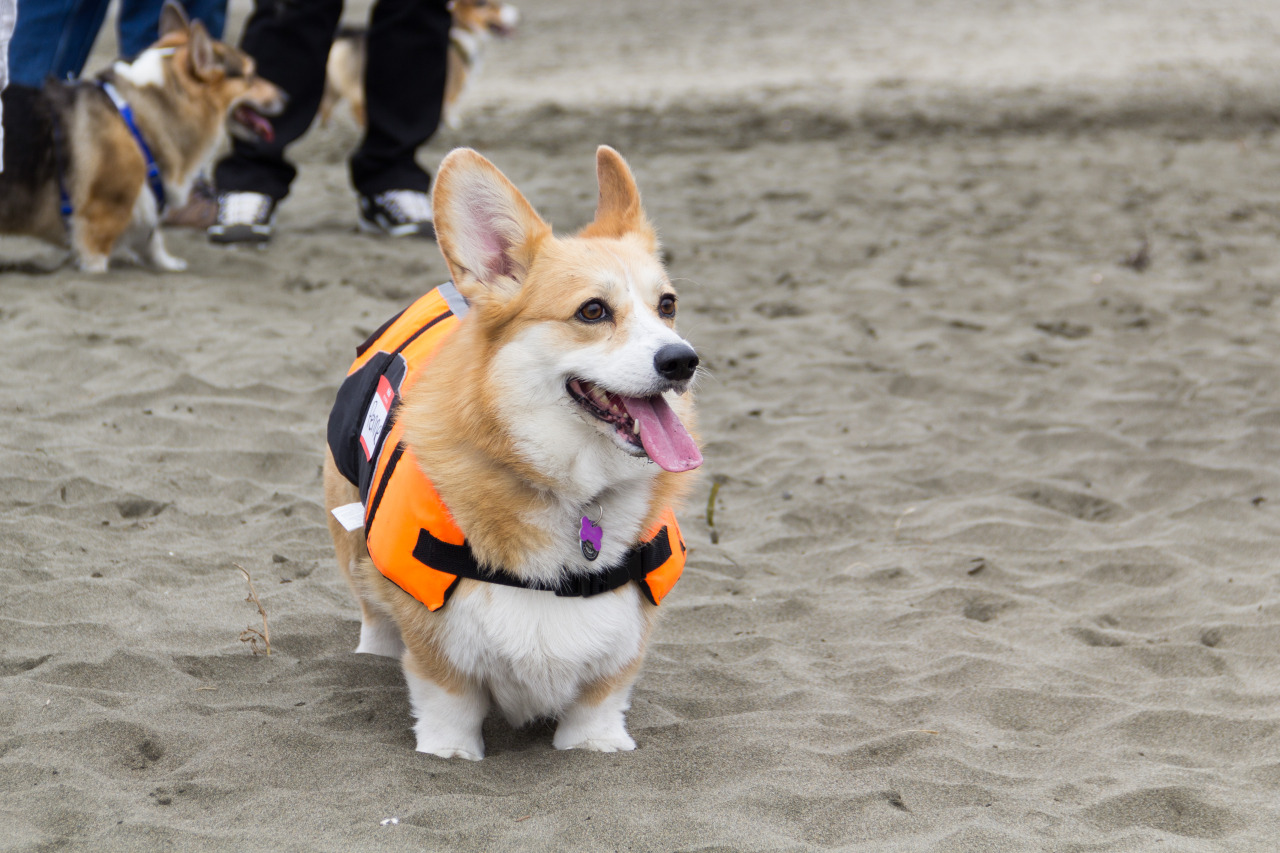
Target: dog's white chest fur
536	650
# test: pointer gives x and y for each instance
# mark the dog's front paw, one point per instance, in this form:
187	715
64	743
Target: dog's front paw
92	263
169	263
622	743
452	752
448	723
601	727
594	735
442	748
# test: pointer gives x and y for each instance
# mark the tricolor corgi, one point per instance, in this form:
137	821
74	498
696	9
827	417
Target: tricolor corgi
475	23
93	164
504	458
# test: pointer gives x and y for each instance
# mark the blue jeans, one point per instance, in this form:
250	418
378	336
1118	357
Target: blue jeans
54	37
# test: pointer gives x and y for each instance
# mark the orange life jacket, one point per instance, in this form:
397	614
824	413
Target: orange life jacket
411	537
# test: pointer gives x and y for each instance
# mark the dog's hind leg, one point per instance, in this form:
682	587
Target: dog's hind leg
379	634
328	101
105	191
95	228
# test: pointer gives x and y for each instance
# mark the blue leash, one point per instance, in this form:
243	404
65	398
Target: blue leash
154	181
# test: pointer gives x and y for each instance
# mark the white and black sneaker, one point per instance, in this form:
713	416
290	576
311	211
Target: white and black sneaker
244	217
398	213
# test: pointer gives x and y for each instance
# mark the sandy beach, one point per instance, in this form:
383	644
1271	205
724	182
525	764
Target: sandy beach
987	297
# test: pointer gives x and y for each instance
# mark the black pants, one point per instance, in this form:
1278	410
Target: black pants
404	90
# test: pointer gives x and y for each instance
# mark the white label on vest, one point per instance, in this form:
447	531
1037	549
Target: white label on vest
350	516
376	417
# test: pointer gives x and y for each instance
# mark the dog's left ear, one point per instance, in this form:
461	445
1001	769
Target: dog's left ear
172	19
618	212
486	229
201	48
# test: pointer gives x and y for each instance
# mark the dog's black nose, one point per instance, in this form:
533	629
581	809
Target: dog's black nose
676	362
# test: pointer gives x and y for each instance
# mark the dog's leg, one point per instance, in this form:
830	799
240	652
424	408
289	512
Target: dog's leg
448	715
93	234
155	253
91	263
104	201
328	101
379	635
597	720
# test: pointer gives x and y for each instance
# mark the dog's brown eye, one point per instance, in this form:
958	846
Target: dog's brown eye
667	305
593	311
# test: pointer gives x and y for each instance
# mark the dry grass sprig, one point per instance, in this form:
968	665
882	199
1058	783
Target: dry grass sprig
253	635
711	512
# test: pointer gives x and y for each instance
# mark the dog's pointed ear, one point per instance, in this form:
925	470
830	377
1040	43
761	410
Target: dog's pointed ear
618	212
173	19
200	45
487	231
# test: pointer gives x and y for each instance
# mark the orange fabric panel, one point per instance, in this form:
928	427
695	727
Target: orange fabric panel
414	318
409	500
662	579
409	503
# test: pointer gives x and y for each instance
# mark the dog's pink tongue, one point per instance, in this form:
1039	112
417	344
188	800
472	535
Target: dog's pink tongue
664	438
257	122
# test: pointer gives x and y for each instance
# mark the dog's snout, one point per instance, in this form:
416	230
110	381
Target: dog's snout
676	362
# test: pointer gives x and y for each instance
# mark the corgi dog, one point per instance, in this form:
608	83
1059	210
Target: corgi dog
503	461
93	164
475	23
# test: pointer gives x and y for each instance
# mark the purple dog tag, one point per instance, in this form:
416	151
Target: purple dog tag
592	537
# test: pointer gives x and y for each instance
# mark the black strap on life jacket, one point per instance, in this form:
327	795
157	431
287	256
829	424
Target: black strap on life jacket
354	396
634	566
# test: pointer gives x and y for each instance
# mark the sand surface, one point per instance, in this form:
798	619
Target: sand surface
986	293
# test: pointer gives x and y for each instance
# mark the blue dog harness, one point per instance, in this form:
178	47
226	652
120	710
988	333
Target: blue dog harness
154	181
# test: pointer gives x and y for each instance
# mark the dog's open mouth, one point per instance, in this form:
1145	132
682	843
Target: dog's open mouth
248	123
642	425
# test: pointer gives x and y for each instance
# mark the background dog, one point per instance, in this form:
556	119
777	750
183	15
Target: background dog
75	173
475	23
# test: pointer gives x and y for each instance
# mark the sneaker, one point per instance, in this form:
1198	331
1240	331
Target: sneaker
243	218
398	213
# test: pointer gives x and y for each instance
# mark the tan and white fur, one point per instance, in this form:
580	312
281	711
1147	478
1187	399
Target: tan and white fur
518	462
475	24
185	91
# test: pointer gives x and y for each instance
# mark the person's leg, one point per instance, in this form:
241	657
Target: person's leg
289	40
404	90
139	24
53	38
213	13
8	16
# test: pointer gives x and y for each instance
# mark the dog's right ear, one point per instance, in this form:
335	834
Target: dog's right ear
487	231
173	19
